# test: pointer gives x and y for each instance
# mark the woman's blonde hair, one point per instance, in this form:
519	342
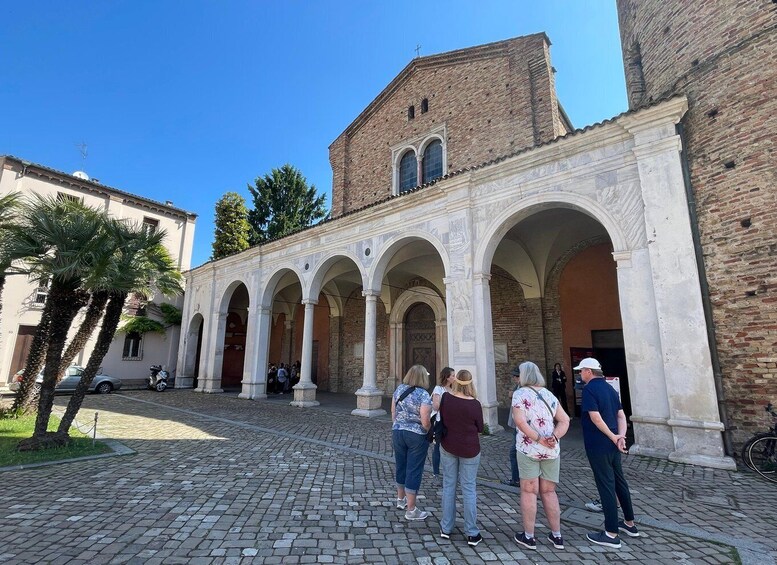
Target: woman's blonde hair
417	376
530	374
463	384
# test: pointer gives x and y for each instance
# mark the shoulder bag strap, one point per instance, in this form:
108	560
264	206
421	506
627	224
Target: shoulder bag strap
406	393
552	413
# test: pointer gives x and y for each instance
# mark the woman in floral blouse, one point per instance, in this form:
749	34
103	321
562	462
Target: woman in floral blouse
540	423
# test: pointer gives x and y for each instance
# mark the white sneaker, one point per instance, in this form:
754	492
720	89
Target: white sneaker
416	514
401	503
594	505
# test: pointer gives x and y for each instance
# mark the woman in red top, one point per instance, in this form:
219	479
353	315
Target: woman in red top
460	455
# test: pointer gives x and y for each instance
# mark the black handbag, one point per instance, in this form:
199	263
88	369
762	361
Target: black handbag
438	430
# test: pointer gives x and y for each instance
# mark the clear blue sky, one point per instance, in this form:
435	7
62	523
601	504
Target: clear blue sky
185	100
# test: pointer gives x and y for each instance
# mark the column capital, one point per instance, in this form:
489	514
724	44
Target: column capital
307	301
623	258
482	277
369	292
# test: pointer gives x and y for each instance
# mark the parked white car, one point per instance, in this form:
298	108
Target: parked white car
101	384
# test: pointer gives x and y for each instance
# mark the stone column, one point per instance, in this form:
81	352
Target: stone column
693	410
647	382
396	354
255	369
211	380
369	397
441	338
485	375
305	390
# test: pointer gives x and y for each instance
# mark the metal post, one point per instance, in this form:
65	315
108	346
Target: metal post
94	430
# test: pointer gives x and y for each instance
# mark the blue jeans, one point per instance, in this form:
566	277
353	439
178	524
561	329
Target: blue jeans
410	455
465	470
611	483
514	474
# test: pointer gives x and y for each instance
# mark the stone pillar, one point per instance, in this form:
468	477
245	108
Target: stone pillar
485	375
647	382
369	397
441	338
255	369
211	380
305	390
396	354
693	410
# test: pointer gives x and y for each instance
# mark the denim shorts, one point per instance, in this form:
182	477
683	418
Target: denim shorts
547	469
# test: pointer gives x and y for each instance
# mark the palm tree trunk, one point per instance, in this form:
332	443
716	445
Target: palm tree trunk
34	362
66	304
2	285
111	321
92	317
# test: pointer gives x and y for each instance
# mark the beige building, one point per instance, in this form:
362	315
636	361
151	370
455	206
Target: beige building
23	299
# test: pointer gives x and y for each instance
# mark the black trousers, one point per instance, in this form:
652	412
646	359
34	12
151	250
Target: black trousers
611	483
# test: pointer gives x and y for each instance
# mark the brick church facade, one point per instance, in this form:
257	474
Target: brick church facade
473	227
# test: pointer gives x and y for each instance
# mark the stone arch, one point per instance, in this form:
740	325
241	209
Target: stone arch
497	230
377	271
268	291
399	310
316	283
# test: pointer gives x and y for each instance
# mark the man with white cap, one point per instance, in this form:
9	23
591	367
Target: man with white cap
604	436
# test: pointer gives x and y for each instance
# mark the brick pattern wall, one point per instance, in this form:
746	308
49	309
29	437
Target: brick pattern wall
351	369
493	99
723	57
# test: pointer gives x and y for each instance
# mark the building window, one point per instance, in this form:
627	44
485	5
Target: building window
424	105
133	350
411	112
432	161
408	172
150	225
65	197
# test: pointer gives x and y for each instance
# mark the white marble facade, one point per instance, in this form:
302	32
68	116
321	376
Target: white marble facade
624	174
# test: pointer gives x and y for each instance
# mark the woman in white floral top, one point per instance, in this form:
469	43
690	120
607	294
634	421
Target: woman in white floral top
540	423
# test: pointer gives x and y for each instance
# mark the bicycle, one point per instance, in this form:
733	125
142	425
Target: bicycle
760	452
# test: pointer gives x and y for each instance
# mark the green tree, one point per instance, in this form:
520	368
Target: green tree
232	227
63	242
138	264
283	203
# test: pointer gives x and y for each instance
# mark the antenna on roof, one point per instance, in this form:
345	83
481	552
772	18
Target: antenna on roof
82	148
418	50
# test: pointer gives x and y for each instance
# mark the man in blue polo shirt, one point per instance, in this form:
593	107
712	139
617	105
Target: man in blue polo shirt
604	436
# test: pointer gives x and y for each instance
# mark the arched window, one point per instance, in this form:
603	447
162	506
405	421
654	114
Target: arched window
433	161
408	172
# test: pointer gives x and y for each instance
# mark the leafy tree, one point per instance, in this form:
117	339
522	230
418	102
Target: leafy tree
138	258
283	203
232	227
63	242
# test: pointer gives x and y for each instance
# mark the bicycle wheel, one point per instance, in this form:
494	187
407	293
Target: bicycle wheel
763	456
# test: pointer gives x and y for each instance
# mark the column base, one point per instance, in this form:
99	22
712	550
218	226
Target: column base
725	463
209	390
304	395
253	391
184	382
369	402
491	418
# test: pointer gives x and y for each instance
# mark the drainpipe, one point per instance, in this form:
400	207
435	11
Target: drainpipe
728	444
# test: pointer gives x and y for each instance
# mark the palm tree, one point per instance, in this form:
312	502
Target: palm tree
62	241
139	264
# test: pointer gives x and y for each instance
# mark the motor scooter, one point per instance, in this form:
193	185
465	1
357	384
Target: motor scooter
157	379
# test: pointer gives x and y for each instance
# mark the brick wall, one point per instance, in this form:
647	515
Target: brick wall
723	57
351	369
493	99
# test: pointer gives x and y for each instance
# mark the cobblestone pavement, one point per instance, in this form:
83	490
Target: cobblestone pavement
217	479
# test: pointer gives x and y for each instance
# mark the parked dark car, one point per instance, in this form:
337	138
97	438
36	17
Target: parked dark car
101	384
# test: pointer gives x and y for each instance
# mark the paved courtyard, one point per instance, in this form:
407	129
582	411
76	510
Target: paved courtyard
217	479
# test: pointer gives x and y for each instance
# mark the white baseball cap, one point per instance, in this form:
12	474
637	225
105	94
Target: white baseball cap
588	363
